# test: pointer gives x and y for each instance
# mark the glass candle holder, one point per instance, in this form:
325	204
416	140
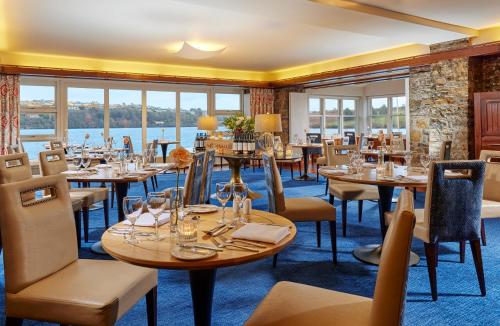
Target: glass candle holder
176	207
187	230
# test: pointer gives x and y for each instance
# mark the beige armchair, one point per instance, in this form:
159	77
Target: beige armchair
54	162
346	191
491	192
304	209
297	304
45	280
56	144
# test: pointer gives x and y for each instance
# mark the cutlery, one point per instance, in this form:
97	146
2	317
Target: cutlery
215	229
224	245
200	246
220	231
230	241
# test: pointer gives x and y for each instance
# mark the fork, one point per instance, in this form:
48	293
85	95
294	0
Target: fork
231	241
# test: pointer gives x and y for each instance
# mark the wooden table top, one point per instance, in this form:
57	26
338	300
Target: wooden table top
156	254
312	145
108	175
401	177
375	152
167	142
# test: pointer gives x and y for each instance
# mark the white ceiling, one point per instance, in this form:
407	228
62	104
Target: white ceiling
259	35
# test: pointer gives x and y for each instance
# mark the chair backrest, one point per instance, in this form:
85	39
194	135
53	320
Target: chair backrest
38	235
352	137
127	145
15	148
491	175
337	154
274	187
55	144
314	137
151	151
208	170
445	151
193	182
390	288
14	167
53	162
453	202
398	144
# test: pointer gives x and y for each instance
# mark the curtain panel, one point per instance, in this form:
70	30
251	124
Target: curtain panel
9	111
261	101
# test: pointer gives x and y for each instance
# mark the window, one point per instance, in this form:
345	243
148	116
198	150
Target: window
125	117
38	113
349	115
399	114
85	115
378	114
193	106
226	104
332	116
387	114
161	108
315	115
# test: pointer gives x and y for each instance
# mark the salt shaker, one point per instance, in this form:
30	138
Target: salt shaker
236	210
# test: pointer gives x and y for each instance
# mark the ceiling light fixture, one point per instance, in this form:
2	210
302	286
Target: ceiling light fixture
191	52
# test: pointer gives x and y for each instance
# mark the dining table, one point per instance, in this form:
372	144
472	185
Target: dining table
158	254
164	143
308	149
386	181
235	162
107	174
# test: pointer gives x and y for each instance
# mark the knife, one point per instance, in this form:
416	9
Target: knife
200	246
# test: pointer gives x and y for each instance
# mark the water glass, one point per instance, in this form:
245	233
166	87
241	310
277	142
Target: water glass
240	193
106	156
176	207
187	229
132	208
156	202
223	192
425	159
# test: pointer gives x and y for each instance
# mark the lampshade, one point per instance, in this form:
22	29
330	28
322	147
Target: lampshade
207	123
268	122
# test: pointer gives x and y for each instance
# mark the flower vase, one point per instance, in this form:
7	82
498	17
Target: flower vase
176	207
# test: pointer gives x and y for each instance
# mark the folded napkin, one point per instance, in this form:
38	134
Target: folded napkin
369	165
262	232
76	172
147	219
418	177
333	170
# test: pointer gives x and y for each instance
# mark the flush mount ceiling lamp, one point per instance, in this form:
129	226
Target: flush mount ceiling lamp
191	52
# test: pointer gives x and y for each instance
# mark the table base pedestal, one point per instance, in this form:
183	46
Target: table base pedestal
306	177
202	292
370	254
96	248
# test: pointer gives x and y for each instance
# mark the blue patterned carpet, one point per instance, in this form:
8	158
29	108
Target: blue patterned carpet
239	289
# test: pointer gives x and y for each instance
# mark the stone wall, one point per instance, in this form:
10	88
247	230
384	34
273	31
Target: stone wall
487	78
282	106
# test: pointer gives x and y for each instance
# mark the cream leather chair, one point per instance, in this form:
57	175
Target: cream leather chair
346	191
491	192
56	144
54	162
45	280
322	159
304	209
296	304
208	169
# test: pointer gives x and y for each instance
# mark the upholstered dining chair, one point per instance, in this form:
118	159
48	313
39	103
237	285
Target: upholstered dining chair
127	145
56	144
320	161
45	280
297	304
346	191
54	162
304	209
208	169
490	207
193	191
452	213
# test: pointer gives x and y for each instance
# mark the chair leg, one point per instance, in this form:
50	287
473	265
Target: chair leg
85	213
317	172
333	239
331	199
112	194
11	321
153	183
156	180
151	306
318	233
462	251
275	260
475	247
430	254
291	170
106	213
344	218
326	186
145	187
78	226
360	210
483	233
281	168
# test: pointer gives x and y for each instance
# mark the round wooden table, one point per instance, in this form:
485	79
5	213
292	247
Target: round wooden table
401	177
313	148
201	272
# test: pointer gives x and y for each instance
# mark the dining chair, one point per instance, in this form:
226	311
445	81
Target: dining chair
398	144
490	206
352	137
127	145
298	304
54	162
347	191
452	213
45	280
320	161
193	191
303	209
208	169
56	144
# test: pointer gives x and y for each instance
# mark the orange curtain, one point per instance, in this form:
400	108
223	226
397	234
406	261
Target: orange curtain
261	101
9	111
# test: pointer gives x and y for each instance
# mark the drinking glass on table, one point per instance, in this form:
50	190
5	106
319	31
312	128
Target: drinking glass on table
223	192
86	160
106	156
132	208
157	203
240	193
425	159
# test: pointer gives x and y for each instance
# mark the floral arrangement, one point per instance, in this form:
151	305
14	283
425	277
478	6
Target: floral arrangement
239	123
182	158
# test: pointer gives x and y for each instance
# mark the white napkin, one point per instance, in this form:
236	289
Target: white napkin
147	219
418	177
76	172
262	232
333	170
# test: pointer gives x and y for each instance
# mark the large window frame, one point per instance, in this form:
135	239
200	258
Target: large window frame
390	113
323	115
61	101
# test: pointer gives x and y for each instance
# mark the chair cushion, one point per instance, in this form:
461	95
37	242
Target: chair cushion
308	209
490	209
353	191
76	204
89	196
86	292
321	160
297	304
100	194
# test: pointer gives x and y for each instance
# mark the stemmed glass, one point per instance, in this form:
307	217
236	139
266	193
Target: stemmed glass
86	160
425	159
106	156
240	193
370	144
223	192
132	208
157	203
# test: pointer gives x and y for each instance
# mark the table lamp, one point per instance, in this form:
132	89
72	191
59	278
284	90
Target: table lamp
267	124
208	123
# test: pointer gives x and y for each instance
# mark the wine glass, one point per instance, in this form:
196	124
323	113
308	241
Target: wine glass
106	156
132	208
86	160
425	159
157	202
240	193
370	144
223	192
